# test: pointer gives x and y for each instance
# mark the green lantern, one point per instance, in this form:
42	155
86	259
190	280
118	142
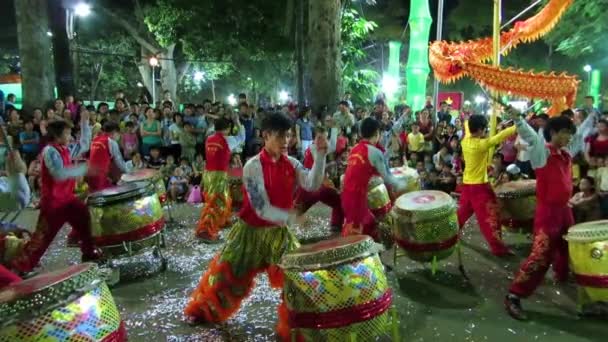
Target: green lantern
595	85
391	80
418	69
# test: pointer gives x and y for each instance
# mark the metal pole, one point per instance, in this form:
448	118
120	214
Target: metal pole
520	14
153	86
495	63
439	37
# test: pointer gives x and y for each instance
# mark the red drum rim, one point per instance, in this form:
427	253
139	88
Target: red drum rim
134	235
597	281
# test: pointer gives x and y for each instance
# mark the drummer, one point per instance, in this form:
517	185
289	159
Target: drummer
261	236
327	194
365	161
13	190
104	151
58	204
552	164
218	205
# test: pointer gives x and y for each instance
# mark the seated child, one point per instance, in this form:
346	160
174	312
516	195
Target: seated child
184	164
167	170
178	184
154	161
135	163
585	204
198	167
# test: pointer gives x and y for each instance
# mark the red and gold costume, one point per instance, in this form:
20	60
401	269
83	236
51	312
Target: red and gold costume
103	150
218	205
477	195
553	169
58	204
258	239
365	161
327	194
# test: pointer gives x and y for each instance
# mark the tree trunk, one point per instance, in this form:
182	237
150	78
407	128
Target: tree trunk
299	33
168	74
64	75
37	79
324	48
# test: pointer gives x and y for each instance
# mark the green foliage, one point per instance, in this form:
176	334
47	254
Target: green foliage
360	81
582	30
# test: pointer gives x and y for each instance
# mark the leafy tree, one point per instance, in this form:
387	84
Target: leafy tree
360	81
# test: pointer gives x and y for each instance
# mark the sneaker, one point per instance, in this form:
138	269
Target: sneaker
513	307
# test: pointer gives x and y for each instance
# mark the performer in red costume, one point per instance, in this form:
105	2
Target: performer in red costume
552	163
365	161
104	150
58	204
14	195
218	205
260	237
328	194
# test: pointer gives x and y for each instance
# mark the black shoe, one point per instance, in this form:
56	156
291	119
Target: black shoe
513	307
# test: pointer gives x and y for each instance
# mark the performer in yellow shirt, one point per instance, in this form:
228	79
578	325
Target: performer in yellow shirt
477	195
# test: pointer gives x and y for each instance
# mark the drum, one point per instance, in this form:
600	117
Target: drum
337	289
378	198
588	249
73	304
409	174
517	203
235	182
148	175
425	225
124	214
12	239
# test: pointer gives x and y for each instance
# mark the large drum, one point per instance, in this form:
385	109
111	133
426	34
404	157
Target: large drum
151	176
235	182
126	215
588	249
12	240
378	198
336	289
425	225
406	174
73	305
517	202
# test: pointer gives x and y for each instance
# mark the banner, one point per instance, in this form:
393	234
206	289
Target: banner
454	98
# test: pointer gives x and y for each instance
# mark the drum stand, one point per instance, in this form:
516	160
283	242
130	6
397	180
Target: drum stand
434	262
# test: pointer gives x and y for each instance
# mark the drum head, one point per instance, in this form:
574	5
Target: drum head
41	282
139	175
402	172
329	252
588	232
119	192
516	189
423	201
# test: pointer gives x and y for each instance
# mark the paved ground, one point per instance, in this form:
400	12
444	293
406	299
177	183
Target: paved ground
431	308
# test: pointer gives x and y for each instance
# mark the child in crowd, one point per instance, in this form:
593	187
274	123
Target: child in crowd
33	177
187	140
428	163
447	181
154	161
198	168
415	139
136	163
457	162
235	161
129	140
593	166
178	184
30	140
412	161
184	164
496	168
601	179
442	157
585	204
420	167
168	169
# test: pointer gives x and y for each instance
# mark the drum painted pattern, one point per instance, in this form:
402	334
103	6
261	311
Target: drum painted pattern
378	198
588	250
425	225
332	279
517	203
77	308
130	219
413	180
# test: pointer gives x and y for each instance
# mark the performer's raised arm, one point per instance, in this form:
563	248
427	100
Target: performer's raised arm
84	144
14	190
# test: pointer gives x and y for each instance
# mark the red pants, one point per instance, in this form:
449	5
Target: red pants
358	218
326	195
480	199
7	277
97	183
52	218
550	224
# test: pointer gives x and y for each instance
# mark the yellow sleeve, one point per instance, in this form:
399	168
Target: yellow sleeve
502	136
467	133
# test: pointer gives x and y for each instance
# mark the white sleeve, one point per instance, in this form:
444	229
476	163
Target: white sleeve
253	179
85	141
54	163
378	161
538	152
234	141
117	156
333	140
310	180
14	192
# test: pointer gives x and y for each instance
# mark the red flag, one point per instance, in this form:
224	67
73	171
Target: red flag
455	98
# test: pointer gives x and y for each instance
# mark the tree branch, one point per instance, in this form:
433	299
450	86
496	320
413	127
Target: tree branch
149	45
